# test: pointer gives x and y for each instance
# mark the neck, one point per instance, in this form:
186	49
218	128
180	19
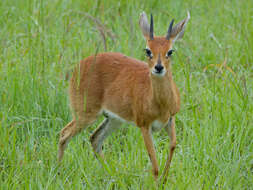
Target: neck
162	88
165	95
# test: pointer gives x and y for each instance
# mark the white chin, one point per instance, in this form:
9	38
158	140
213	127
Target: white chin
161	74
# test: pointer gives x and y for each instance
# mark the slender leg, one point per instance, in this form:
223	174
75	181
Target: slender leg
69	131
94	137
65	134
170	128
146	133
107	127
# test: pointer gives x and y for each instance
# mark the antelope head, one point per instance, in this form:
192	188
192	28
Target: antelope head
159	49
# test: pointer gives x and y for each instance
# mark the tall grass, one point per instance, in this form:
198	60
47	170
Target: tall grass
42	40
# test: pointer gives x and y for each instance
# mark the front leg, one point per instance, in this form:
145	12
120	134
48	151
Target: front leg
146	133
170	128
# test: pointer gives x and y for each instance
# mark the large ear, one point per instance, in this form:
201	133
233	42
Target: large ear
177	31
143	22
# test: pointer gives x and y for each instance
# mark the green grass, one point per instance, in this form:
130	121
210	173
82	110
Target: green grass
41	41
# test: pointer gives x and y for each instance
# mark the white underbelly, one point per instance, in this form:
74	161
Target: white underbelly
110	114
156	125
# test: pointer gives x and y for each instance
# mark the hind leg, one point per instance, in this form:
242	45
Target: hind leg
107	127
69	131
65	134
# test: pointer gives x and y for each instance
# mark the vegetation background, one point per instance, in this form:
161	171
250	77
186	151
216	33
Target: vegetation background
42	40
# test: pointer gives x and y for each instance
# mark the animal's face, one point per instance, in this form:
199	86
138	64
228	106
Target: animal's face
159	52
159	49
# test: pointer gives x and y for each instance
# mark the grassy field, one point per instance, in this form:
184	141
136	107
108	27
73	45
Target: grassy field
42	40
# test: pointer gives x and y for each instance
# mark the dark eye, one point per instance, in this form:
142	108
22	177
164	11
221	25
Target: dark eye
169	53
148	53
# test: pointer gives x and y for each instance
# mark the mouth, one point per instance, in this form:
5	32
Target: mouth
158	73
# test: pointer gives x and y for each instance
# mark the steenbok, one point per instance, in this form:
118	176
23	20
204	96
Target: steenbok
124	89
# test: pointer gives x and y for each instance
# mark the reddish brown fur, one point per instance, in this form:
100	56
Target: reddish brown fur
128	88
145	98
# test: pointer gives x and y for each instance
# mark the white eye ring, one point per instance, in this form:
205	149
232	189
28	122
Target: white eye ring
169	53
148	52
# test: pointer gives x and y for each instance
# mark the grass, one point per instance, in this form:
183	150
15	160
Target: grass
42	40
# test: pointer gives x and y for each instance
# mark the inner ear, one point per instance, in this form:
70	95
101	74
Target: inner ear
177	31
144	25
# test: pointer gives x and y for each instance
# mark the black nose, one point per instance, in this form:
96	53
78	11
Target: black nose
159	67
